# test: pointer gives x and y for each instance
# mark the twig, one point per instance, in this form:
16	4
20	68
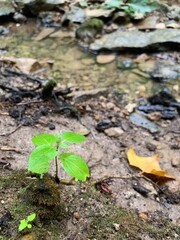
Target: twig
26	103
9	133
6	148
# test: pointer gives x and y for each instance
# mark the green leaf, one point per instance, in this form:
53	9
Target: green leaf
75	166
113	3
143	6
31	217
72	137
64	145
23	224
45	138
40	157
29	225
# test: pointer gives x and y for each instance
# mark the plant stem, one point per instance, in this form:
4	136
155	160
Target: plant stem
56	176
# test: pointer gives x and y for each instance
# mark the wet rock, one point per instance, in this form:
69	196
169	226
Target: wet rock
136	39
141	121
161	70
166	112
126	64
89	29
6	8
75	15
19	18
174	13
36	6
105	58
105	124
164	103
114	132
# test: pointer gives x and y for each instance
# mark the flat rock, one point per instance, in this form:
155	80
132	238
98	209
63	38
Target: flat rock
136	39
140	121
6	8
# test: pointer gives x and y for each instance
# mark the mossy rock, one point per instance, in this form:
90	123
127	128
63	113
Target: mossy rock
89	29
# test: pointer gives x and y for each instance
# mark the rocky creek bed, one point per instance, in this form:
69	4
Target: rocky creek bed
118	94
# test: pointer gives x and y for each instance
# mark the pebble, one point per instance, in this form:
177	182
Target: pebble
76	215
105	58
116	226
130	107
52	126
150	147
110	105
175	162
114	132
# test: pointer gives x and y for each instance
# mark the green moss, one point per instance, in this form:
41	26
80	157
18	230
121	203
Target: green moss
48	88
89	29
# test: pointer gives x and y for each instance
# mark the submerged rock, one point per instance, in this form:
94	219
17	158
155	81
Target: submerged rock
161	69
136	39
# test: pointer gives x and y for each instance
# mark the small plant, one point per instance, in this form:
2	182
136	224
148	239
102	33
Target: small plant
133	6
24	223
48	148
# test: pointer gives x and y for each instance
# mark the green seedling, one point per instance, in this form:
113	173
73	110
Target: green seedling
24	223
48	147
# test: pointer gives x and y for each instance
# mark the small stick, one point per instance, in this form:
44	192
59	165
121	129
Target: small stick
6	148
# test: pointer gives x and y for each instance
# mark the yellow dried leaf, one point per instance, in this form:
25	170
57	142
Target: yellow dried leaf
147	164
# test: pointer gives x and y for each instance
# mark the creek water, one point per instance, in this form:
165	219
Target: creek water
74	67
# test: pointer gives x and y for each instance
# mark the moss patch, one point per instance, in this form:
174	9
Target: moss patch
89	214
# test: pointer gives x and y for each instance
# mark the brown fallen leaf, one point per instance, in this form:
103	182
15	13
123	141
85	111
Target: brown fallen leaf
147	164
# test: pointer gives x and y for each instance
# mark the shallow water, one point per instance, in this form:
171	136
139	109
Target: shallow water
73	67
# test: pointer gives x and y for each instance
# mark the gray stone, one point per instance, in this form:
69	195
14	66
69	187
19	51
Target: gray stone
75	14
6	8
161	69
140	121
136	39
